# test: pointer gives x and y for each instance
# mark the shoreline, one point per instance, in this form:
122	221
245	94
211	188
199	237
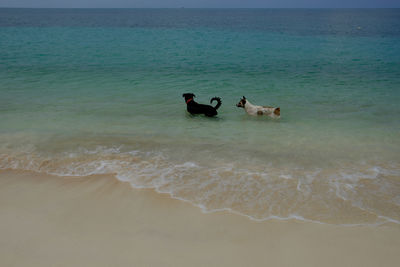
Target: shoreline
101	221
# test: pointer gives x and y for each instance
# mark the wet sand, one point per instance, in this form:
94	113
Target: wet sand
100	221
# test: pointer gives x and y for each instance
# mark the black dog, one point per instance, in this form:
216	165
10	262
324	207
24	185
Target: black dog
196	108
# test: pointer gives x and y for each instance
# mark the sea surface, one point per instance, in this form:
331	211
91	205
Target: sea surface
99	91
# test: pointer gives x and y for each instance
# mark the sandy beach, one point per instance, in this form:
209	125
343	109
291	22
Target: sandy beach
99	221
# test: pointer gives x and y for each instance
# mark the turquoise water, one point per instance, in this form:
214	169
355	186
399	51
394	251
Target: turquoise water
100	91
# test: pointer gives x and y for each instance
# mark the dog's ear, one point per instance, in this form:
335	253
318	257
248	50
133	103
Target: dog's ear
244	97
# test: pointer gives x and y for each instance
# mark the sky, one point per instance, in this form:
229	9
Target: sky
203	3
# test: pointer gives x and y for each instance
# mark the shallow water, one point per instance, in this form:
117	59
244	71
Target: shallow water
100	91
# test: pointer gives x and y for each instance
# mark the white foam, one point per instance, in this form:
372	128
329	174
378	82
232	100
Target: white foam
249	192
286	176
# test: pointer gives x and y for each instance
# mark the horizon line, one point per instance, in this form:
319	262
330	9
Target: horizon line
200	7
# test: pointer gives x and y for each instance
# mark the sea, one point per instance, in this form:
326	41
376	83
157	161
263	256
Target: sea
99	91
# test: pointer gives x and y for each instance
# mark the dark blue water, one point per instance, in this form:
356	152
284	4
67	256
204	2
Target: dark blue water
347	22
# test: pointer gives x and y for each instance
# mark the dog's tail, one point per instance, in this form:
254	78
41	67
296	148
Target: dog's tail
277	111
218	99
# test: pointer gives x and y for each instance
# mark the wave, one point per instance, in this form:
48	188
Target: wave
352	194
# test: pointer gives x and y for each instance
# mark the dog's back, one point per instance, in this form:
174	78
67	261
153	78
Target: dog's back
196	108
269	111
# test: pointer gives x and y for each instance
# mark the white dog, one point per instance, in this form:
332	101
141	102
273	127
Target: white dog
258	110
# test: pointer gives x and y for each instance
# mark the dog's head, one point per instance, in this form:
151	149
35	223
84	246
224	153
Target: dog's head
241	103
188	96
